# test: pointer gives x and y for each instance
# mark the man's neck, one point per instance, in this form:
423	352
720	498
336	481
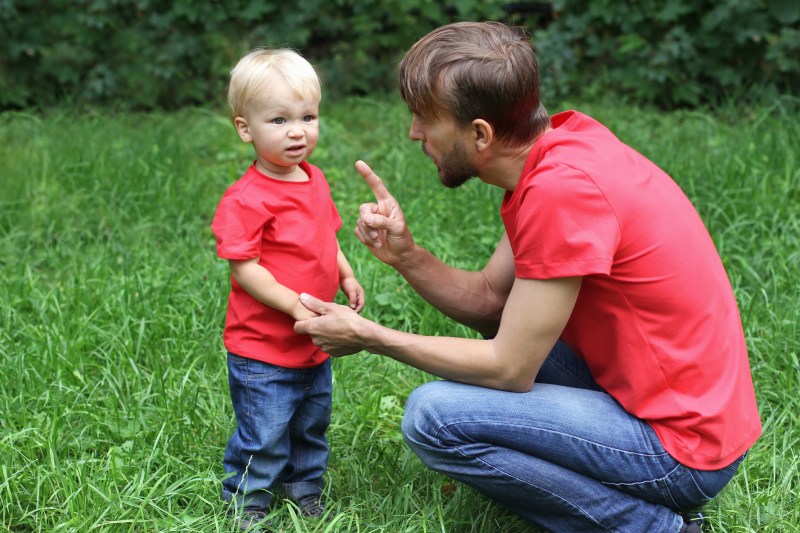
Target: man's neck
503	167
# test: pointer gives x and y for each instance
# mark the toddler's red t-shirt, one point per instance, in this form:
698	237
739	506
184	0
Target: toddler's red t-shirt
291	227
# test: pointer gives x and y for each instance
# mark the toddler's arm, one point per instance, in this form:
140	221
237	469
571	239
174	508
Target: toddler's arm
263	286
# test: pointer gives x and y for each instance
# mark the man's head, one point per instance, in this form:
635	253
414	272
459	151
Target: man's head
477	70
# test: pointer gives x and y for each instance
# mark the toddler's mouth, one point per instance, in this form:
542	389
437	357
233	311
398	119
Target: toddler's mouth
295	149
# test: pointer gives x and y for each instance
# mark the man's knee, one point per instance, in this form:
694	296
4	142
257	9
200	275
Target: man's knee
421	417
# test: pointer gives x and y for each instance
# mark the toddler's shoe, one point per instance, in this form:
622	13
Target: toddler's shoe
311	506
251	519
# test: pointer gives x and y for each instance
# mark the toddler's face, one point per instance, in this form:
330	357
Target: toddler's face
283	128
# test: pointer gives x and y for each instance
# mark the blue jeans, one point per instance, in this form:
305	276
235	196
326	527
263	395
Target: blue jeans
564	456
281	415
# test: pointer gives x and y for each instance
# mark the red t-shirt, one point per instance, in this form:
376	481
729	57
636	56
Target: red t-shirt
656	319
291	227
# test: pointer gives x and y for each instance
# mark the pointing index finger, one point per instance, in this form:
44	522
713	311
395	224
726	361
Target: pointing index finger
375	183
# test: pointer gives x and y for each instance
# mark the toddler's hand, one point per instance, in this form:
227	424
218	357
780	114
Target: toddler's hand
354	292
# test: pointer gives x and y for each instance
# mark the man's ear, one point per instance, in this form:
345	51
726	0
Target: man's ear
242	129
484	134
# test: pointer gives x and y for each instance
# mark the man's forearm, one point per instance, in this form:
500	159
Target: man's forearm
472	361
465	296
534	316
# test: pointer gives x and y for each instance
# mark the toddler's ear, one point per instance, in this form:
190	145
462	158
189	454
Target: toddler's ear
242	129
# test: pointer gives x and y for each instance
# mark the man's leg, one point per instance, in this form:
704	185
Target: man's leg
563	367
550	455
688	488
564	456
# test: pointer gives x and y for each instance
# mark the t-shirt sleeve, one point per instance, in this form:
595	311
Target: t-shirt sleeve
564	226
238	226
336	219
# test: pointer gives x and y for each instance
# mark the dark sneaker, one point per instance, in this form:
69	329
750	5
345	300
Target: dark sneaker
252	519
311	506
692	523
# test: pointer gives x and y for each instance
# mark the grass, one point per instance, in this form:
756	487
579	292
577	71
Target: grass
114	411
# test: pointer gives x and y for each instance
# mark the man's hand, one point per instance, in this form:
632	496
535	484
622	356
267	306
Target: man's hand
381	224
301	312
335	330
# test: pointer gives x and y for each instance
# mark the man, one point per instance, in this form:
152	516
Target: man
613	392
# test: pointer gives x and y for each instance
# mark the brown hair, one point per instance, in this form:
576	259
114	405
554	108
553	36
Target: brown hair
475	70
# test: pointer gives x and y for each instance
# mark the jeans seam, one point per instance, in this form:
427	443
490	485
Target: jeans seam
579	439
552	495
658	481
589	386
696	484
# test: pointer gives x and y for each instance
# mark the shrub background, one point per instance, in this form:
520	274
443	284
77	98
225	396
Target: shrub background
158	54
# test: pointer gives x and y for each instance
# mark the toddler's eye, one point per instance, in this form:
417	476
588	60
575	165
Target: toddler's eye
308	118
279	120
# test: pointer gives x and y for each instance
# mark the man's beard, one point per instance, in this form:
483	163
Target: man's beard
455	168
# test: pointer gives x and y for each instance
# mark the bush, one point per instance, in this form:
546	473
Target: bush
158	54
671	53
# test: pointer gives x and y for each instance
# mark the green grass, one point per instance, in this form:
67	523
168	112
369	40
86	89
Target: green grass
114	410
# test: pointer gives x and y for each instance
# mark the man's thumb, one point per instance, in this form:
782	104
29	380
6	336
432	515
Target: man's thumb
311	303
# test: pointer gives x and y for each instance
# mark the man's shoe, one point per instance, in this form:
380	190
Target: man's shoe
252	519
692	523
311	506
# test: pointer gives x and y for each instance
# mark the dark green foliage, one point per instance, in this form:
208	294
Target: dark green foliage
671	53
157	54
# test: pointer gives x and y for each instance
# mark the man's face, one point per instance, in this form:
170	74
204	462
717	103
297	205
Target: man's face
447	145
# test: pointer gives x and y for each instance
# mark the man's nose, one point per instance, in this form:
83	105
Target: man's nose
414	132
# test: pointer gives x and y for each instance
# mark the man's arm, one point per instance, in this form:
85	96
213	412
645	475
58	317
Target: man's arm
475	299
534	316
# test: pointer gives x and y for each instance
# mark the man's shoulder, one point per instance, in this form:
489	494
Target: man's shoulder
578	142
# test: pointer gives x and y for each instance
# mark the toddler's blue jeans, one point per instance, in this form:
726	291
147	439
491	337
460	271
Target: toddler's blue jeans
564	456
281	415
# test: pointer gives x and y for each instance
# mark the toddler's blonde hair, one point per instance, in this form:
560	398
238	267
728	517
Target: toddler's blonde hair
254	72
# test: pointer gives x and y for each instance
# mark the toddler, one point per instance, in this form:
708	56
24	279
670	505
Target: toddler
277	227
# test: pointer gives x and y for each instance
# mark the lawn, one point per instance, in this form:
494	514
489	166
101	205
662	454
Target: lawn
114	408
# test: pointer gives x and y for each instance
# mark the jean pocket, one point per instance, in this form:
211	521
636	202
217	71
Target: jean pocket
252	370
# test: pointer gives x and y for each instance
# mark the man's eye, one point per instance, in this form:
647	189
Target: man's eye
279	120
